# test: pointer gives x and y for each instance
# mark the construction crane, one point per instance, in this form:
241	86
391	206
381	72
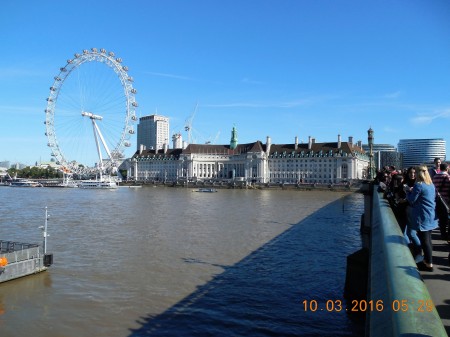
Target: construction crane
188	124
216	138
214	141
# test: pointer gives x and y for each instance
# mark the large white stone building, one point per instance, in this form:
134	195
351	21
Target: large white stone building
312	162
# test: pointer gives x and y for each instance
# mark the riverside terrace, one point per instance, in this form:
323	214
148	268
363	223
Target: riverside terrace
401	301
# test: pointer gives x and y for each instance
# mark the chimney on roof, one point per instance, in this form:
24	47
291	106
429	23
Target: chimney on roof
296	143
360	144
339	142
268	144
350	140
309	142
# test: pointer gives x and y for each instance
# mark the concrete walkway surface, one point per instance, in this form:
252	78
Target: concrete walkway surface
438	281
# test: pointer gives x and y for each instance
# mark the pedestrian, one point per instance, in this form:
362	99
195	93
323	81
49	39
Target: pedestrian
398	201
422	219
410	177
432	171
410	180
441	181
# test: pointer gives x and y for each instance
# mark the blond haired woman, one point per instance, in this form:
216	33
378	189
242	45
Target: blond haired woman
422	219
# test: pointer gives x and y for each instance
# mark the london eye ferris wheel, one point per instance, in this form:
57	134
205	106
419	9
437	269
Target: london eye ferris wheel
90	113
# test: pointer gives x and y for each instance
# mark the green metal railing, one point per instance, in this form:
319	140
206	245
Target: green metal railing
398	303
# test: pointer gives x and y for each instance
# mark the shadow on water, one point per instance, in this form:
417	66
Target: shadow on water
272	291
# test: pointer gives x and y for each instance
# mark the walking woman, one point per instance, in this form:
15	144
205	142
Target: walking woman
422	219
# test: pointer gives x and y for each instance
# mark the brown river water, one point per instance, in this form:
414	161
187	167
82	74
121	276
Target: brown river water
172	262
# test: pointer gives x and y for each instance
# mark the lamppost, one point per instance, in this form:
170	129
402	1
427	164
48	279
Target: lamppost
370	141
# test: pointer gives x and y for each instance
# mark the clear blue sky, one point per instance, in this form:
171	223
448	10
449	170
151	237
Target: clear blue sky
271	68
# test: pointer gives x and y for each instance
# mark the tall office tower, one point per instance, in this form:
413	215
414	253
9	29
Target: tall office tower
421	151
153	132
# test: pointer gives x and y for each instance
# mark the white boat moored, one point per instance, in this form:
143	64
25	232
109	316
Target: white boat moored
103	183
21	182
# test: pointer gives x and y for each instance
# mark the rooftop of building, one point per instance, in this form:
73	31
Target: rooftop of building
258	146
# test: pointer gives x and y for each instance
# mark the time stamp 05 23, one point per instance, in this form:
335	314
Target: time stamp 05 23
369	305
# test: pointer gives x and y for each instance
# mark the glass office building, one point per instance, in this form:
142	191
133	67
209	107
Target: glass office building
421	151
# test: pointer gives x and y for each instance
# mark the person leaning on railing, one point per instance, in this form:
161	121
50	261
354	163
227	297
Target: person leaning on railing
399	202
422	220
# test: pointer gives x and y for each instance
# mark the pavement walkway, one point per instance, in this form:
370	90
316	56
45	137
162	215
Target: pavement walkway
438	281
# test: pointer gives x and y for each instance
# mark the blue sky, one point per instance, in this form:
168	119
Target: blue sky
271	68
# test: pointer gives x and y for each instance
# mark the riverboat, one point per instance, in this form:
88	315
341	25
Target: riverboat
24	183
68	182
22	259
101	183
206	190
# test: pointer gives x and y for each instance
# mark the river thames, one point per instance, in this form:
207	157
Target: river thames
170	262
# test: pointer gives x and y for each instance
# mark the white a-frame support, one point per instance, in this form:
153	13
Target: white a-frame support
97	135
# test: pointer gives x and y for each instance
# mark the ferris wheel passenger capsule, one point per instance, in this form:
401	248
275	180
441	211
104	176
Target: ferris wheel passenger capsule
134	91
134	118
125	68
130	79
111	54
69	61
57	78
94	50
103	51
77	55
119	60
63	69
135	104
85	51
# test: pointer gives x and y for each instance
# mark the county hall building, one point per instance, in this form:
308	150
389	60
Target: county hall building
257	162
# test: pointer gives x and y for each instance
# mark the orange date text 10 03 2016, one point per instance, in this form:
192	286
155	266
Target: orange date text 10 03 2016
368	305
